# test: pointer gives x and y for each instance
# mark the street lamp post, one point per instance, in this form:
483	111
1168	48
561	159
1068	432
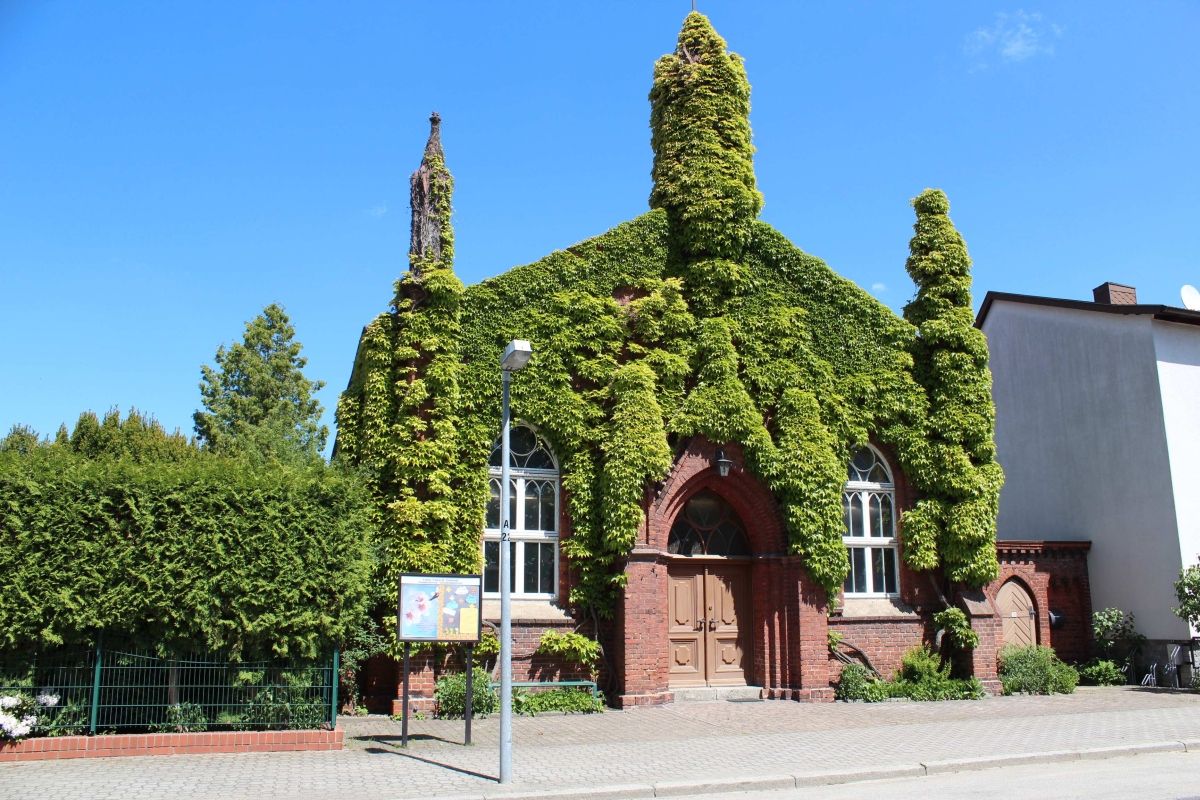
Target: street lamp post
516	355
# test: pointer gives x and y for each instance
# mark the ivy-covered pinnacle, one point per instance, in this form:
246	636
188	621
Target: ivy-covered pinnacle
704	161
955	463
398	416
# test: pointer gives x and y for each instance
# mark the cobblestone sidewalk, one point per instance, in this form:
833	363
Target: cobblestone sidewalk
705	744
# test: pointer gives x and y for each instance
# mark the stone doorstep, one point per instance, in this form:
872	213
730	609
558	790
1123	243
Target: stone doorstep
161	744
699	694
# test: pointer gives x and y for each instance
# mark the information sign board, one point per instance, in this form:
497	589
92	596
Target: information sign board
439	608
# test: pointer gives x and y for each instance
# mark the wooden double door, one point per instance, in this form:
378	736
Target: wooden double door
709	620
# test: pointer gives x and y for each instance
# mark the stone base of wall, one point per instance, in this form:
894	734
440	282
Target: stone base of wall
800	695
167	744
653	699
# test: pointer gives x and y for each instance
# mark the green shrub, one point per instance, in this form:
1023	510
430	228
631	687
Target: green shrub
567	700
451	695
1101	672
924	677
1116	635
182	717
1035	670
854	683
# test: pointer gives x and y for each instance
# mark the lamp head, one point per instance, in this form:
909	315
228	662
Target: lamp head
516	355
724	463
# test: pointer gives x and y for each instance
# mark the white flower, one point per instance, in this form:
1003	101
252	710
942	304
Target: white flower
7	723
9	701
47	700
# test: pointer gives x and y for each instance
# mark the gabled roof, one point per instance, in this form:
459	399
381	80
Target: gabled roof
1159	312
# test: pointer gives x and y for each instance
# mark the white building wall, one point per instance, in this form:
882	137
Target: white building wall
1178	349
1081	437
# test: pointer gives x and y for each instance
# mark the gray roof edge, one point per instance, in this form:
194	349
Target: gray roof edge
1159	312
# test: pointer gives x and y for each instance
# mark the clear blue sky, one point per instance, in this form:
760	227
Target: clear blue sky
169	169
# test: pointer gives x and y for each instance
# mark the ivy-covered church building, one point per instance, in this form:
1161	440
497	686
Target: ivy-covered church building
723	452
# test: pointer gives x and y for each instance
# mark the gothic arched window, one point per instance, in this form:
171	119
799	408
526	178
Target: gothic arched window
533	516
707	526
869	504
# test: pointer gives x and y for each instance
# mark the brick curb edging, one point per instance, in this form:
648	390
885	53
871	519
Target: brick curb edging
804	780
165	744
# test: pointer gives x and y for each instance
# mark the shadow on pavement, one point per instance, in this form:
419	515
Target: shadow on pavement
431	761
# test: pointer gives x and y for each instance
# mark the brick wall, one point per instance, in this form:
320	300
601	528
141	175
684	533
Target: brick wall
163	744
385	681
885	640
1055	574
785	632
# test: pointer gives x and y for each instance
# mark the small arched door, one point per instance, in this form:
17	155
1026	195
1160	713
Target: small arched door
1017	614
708	594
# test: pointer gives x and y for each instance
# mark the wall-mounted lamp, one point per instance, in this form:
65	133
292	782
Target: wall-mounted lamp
724	463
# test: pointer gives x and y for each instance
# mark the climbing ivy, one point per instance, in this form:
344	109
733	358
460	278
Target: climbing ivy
703	161
398	418
955	462
694	319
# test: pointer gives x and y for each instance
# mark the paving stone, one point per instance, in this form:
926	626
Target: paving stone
703	744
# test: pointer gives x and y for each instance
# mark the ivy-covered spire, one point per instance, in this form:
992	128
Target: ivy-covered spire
430	190
703	160
398	417
955	466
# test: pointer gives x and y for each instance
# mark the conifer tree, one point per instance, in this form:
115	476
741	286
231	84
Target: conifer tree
20	439
703	160
955	466
138	437
258	404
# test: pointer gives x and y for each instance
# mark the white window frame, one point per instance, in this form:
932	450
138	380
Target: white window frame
860	492
518	534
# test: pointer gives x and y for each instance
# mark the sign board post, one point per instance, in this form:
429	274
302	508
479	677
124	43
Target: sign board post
439	608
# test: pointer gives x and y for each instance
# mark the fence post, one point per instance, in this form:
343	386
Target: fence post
333	694
94	711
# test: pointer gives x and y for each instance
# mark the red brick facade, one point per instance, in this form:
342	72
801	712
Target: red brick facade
1055	574
785	648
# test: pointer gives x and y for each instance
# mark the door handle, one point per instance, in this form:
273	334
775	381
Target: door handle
712	624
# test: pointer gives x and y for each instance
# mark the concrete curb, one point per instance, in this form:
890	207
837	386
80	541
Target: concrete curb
801	780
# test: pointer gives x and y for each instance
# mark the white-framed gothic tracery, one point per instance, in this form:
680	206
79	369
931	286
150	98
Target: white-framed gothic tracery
533	515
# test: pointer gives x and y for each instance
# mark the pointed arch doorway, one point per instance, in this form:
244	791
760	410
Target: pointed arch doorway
708	605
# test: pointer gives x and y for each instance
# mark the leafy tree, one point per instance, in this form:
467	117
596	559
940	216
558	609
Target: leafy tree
20	439
955	464
258	404
1187	590
1115	634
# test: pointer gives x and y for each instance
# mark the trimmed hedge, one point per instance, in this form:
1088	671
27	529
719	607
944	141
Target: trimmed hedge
203	554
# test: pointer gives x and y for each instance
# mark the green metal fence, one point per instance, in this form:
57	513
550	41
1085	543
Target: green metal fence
120	689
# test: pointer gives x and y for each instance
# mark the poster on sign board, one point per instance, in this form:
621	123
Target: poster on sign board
439	608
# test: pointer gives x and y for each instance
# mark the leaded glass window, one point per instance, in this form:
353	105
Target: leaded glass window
533	515
707	527
869	507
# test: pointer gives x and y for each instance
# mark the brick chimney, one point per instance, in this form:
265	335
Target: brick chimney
1115	294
